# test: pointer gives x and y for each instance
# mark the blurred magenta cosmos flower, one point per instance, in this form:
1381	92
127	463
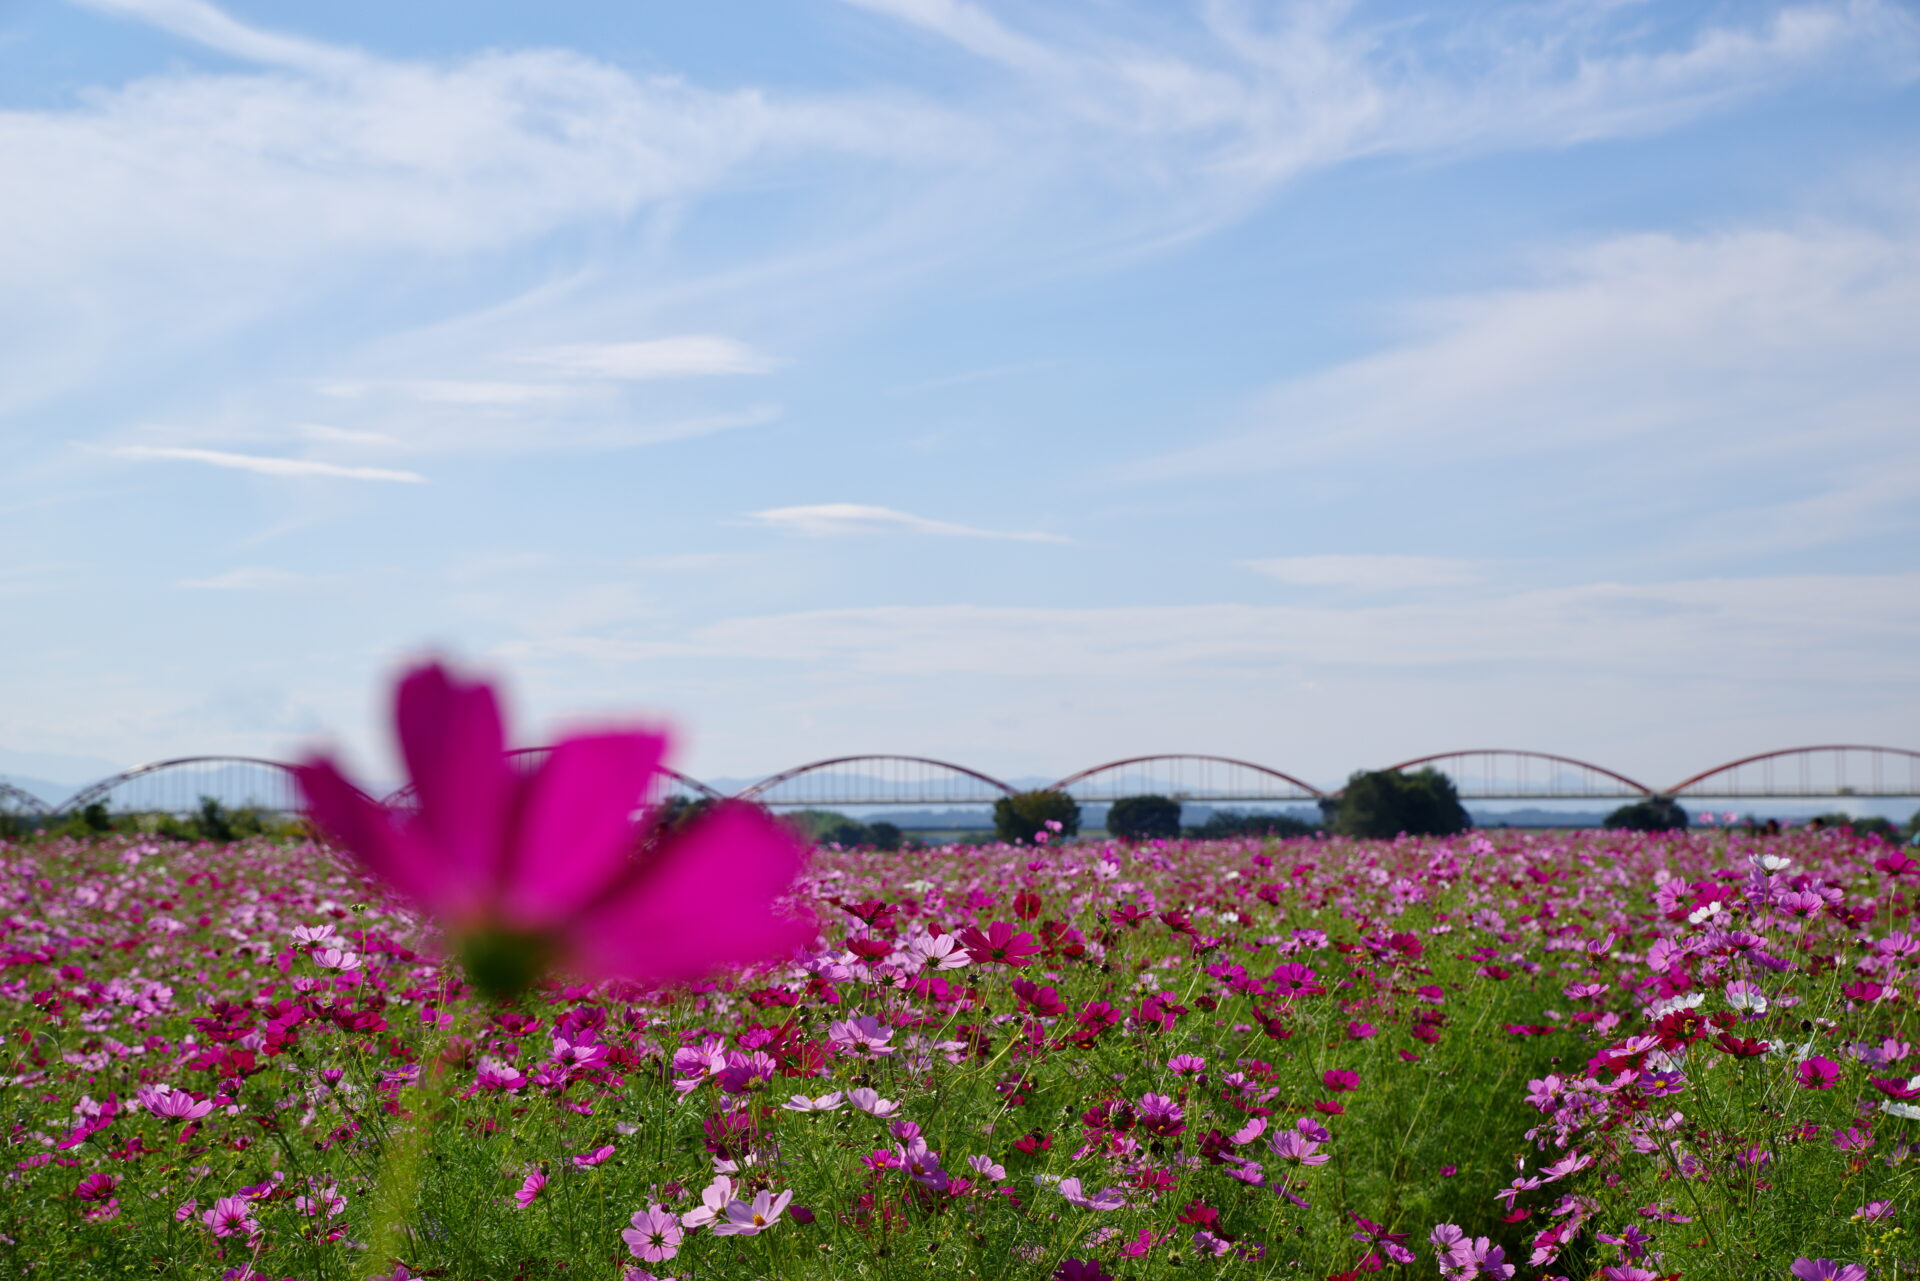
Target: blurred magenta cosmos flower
552	868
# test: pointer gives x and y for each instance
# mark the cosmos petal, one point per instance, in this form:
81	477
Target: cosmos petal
454	745
574	829
358	823
705	901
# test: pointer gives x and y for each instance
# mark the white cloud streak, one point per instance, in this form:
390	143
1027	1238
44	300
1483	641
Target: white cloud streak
246	579
1855	629
264	466
1367	573
688	356
827	520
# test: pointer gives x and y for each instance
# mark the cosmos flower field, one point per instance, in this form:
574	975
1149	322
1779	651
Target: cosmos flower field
1538	1055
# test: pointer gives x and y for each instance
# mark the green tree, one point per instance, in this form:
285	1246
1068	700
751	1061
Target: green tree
884	836
1017	819
1655	814
1144	818
847	833
1384	803
212	822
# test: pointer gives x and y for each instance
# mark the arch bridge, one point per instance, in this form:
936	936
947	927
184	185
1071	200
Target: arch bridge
1186	778
19	801
1810	772
525	760
1506	774
1833	771
178	786
876	780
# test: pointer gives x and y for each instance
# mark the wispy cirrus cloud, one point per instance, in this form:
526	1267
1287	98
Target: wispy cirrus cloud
263	465
1728	356
832	520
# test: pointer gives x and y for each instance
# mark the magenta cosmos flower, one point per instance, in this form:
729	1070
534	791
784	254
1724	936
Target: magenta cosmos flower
552	868
998	944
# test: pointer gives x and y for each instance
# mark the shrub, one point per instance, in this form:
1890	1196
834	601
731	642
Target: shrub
1144	818
1230	823
1656	814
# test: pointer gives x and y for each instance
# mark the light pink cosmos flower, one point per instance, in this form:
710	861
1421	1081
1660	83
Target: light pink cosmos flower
825	1103
525	871
865	1036
745	1220
655	1235
1105	1199
870	1102
1292	1145
336	958
987	1168
175	1105
937	952
713	1203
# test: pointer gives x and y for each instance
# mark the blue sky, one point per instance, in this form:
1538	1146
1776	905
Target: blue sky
1318	383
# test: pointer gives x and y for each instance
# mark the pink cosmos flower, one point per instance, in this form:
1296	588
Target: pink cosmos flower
870	1102
530	1189
1081	1270
176	1105
744	1220
655	1235
1827	1270
527	871
1339	1080
1873	1212
231	1216
1160	1115
595	1157
96	1187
